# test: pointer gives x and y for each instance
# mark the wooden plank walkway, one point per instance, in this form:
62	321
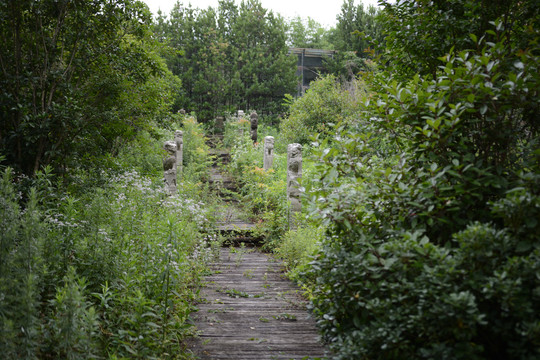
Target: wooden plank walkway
229	216
252	312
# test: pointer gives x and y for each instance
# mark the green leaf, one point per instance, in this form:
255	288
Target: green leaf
356	321
483	109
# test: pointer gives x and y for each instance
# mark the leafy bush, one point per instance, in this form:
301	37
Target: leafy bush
326	102
432	246
417	33
297	246
143	154
22	269
74	321
404	297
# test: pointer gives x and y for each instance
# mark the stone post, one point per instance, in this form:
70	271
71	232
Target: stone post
182	112
169	167
294	174
254	123
179	140
241	114
268	152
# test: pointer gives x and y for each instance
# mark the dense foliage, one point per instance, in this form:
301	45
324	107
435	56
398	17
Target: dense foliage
431	200
328	101
96	261
414	46
232	57
308	33
77	77
108	266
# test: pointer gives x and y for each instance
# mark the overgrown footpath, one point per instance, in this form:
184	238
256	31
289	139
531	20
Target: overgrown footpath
103	264
418	236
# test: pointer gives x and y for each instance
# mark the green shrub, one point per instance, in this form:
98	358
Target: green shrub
405	297
432	247
22	270
326	102
74	322
143	154
297	246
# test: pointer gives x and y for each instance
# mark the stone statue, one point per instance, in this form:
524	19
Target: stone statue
169	167
179	140
294	174
268	152
254	123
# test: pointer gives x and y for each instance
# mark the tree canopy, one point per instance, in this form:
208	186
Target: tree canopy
308	33
76	75
231	57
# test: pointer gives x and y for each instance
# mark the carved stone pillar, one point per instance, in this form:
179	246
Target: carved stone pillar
294	174
254	123
179	140
169	167
268	152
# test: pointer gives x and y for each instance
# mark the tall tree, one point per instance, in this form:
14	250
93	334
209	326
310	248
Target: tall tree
307	33
357	36
357	29
231	57
227	16
68	69
266	70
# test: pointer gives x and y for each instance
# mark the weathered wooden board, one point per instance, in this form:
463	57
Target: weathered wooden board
251	311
